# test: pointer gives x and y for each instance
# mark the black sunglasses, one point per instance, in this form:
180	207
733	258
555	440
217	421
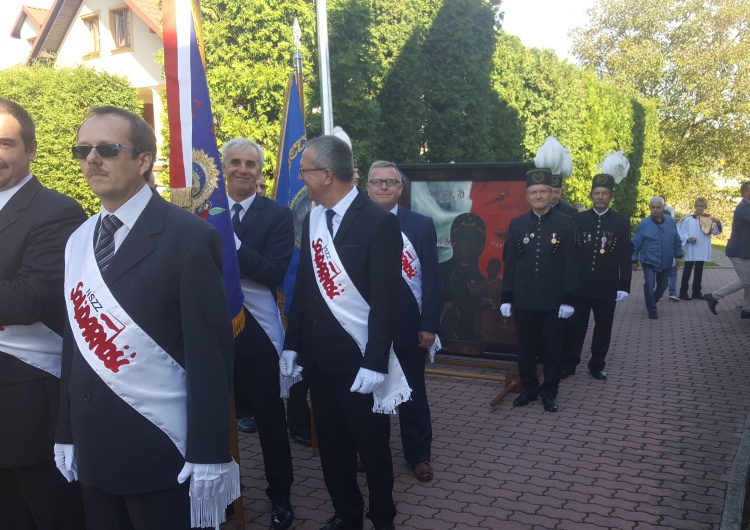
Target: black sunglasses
105	150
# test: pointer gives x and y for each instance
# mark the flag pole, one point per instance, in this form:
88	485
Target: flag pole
297	63
325	68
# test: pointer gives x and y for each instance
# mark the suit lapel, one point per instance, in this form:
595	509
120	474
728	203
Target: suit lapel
139	243
350	217
20	201
255	210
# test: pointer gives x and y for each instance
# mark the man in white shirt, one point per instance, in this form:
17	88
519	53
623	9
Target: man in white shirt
696	229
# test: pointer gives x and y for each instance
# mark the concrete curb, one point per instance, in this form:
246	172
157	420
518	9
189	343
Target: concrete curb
734	501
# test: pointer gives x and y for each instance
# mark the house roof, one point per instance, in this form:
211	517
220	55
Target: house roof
36	14
63	13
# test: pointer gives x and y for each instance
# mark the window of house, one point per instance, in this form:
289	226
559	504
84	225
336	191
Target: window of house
122	28
92	26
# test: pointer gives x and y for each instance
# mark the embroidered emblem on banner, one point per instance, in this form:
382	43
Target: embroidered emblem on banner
205	180
99	331
325	270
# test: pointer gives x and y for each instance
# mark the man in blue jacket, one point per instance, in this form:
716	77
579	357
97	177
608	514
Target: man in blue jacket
658	245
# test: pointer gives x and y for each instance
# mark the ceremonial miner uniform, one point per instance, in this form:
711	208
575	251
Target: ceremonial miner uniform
540	276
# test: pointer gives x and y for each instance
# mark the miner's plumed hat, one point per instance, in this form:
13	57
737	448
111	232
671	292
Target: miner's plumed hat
611	171
538	176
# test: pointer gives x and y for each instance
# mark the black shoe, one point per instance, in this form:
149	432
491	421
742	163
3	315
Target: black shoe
282	515
524	399
698	296
336	523
599	375
549	404
302	439
567	372
712	302
653	315
684	296
745	315
246	425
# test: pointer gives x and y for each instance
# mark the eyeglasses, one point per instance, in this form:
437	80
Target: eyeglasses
105	150
388	182
313	169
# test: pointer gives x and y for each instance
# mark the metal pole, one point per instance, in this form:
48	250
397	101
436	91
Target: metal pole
325	69
297	63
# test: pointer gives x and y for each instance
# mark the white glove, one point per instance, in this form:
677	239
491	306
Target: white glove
621	295
367	381
65	460
207	481
505	310
288	364
566	311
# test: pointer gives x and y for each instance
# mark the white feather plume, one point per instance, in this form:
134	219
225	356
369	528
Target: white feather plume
566	169
550	155
615	164
339	133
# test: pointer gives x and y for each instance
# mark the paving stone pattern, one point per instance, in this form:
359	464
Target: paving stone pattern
652	447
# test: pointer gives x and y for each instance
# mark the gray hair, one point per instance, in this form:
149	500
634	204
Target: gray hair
658	199
242	143
383	164
332	153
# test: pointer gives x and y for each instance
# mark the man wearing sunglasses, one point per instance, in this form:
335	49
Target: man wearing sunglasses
148	348
35	224
418	319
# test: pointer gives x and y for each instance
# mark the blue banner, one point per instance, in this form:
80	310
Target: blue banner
208	191
290	190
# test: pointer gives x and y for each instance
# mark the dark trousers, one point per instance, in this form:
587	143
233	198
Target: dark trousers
297	410
539	334
414	415
256	385
346	425
654	284
37	497
156	510
604	314
697	279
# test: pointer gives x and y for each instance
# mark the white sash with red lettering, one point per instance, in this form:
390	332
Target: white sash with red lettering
411	272
351	310
262	305
129	361
34	344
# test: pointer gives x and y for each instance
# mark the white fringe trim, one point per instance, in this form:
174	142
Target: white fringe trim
436	346
210	513
389	404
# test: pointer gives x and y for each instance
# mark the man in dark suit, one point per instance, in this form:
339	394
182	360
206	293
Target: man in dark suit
264	238
418	320
604	272
148	349
556	202
35	223
540	284
738	252
341	330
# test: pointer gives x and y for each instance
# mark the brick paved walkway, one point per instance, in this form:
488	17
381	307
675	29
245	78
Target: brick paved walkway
650	448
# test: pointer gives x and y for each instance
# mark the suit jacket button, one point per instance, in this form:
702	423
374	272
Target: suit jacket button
315	321
87	397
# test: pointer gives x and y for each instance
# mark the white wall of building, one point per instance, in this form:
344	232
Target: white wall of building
137	65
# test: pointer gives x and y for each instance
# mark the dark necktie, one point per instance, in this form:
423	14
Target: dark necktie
236	216
329	221
105	246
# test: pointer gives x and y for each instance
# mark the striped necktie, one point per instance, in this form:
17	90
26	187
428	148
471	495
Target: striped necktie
105	246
